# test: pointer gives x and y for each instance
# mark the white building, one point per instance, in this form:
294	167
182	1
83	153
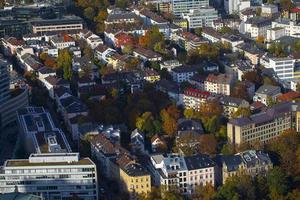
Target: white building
268	10
275	33
235	6
184	73
185	173
194	98
184	6
257	26
220	84
52	176
292	28
283	67
202	17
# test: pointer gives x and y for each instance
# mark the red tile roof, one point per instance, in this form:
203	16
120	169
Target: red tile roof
289	96
196	93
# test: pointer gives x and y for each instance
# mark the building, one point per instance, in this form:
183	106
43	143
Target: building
170	64
283	67
39	133
183	73
292	28
180	7
267	93
269	10
61	42
10	100
250	162
67	23
231	105
218	84
190	41
184	173
146	54
235	6
51	176
264	126
201	17
258	26
275	33
211	34
194	98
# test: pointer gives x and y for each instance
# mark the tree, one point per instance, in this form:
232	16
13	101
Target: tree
122	3
64	61
254	77
145	123
206	192
152	37
189	113
169	117
43	56
127	49
240	91
242	112
260	39
277	183
209	51
277	50
198	31
226	29
89	13
208	144
222	133
286	5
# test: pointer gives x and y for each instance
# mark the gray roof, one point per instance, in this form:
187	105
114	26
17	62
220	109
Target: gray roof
189	126
198	162
269	90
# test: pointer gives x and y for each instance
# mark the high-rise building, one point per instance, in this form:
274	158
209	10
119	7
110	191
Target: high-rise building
52	176
185	6
4	81
10	101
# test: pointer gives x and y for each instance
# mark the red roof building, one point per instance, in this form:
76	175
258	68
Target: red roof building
122	39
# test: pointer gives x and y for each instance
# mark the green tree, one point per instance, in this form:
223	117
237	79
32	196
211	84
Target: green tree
277	183
89	13
242	112
64	61
122	3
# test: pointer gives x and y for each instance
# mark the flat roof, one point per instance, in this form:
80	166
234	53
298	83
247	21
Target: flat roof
25	162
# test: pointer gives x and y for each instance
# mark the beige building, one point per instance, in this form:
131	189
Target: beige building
218	84
249	162
263	126
231	105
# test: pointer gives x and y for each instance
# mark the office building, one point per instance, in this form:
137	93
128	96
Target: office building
202	17
67	23
10	100
264	126
235	6
184	6
39	133
183	173
249	162
283	67
51	176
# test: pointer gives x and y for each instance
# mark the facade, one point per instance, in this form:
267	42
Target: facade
202	17
218	84
292	28
258	26
4	81
181	74
194	99
52	176
183	173
283	67
190	41
180	7
235	6
264	126
266	93
68	23
231	105
250	162
275	33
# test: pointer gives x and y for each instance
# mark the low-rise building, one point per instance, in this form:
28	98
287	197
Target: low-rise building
183	73
146	54
194	98
275	33
232	104
250	162
190	41
258	26
283	67
267	93
211	34
61	42
218	84
184	173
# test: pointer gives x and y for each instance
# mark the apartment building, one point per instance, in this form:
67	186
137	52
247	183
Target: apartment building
264	126
235	6
232	104
180	7
275	33
39	133
292	28
218	84
194	98
190	41
184	173
51	176
258	26
266	93
249	162
283	67
183	73
67	23
201	17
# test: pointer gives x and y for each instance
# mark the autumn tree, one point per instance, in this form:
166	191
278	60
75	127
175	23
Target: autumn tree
240	91
277	50
206	192
64	61
286	5
277	183
209	51
242	112
254	77
89	13
208	144
151	38
169	117
260	39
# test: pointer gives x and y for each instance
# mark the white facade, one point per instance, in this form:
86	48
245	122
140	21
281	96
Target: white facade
52	176
202	17
291	27
184	173
275	33
184	6
283	67
235	6
257	29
